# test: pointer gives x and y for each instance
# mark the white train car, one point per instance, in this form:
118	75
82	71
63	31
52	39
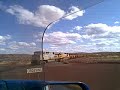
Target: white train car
48	57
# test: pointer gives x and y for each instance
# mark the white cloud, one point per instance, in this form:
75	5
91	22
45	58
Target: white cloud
96	29
95	37
102	36
75	15
116	22
13	45
3	39
60	38
2	49
44	15
104	43
102	31
78	28
74	48
17	45
22	44
32	44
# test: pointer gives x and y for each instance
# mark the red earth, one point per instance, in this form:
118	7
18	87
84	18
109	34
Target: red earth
97	76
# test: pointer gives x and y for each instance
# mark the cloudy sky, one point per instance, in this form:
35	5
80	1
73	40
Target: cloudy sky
93	29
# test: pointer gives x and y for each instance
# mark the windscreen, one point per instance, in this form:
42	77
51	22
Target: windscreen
61	40
22	27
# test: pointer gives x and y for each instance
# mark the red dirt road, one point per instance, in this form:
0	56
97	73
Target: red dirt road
97	76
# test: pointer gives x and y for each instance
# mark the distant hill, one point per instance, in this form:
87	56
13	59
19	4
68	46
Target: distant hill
15	57
101	53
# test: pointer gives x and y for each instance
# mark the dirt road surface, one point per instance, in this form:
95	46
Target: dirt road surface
97	76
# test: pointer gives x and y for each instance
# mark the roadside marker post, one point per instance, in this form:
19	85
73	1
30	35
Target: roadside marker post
34	70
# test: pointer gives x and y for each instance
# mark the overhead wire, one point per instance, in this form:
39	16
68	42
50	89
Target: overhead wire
91	5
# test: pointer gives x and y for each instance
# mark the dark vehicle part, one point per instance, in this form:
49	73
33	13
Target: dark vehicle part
41	85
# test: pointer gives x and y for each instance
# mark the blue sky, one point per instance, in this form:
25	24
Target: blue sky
95	29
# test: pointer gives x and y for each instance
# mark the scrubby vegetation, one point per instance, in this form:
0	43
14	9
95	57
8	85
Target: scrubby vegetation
101	57
15	59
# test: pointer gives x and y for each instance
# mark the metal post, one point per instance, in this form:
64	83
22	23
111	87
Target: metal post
43	64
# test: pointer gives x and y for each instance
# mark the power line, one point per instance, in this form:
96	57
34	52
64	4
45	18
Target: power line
58	20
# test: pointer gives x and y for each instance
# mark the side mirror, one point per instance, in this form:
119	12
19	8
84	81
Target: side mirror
66	86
